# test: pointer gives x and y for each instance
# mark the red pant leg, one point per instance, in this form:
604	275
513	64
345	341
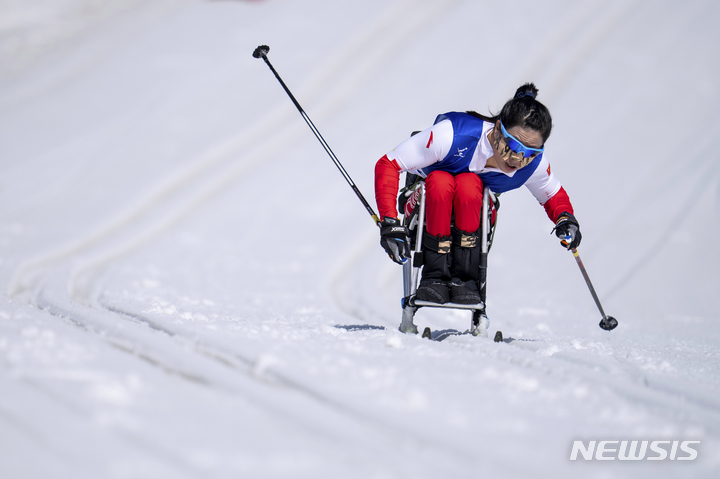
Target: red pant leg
467	202
439	190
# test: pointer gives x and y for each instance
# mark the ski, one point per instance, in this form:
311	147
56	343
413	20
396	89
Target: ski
442	335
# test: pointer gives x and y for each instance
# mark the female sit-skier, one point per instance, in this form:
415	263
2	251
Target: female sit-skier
457	156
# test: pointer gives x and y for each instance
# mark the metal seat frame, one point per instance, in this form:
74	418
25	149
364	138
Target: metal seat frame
415	223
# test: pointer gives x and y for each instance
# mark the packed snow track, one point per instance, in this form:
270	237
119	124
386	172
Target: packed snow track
191	289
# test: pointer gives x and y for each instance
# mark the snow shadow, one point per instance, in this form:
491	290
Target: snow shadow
358	327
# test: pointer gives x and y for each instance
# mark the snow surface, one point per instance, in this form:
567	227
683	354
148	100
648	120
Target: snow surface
190	288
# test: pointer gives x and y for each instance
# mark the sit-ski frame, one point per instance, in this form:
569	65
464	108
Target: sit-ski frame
411	269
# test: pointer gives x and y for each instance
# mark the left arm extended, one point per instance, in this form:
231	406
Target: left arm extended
549	192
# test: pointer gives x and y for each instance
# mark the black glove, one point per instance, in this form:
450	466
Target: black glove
568	230
393	238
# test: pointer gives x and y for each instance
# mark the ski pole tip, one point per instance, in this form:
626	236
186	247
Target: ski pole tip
261	51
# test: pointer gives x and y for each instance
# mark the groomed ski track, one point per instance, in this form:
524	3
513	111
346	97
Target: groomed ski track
220	306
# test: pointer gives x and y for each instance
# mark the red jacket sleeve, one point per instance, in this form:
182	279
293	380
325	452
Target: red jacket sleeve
559	203
387	177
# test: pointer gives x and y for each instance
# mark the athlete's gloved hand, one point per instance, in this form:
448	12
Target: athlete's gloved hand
394	239
568	230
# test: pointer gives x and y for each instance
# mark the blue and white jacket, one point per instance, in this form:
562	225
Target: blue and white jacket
458	143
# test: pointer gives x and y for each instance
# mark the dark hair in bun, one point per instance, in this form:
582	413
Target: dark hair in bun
525	111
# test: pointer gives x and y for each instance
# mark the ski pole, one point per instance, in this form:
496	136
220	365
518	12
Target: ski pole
607	323
262	51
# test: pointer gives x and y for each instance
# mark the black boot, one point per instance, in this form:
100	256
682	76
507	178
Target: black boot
436	269
465	268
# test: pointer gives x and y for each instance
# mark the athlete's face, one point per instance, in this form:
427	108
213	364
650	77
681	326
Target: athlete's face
511	162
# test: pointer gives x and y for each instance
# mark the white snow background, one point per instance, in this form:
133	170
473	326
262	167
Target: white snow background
190	289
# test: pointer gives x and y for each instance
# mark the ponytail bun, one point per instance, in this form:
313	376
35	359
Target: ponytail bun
527	90
524	110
